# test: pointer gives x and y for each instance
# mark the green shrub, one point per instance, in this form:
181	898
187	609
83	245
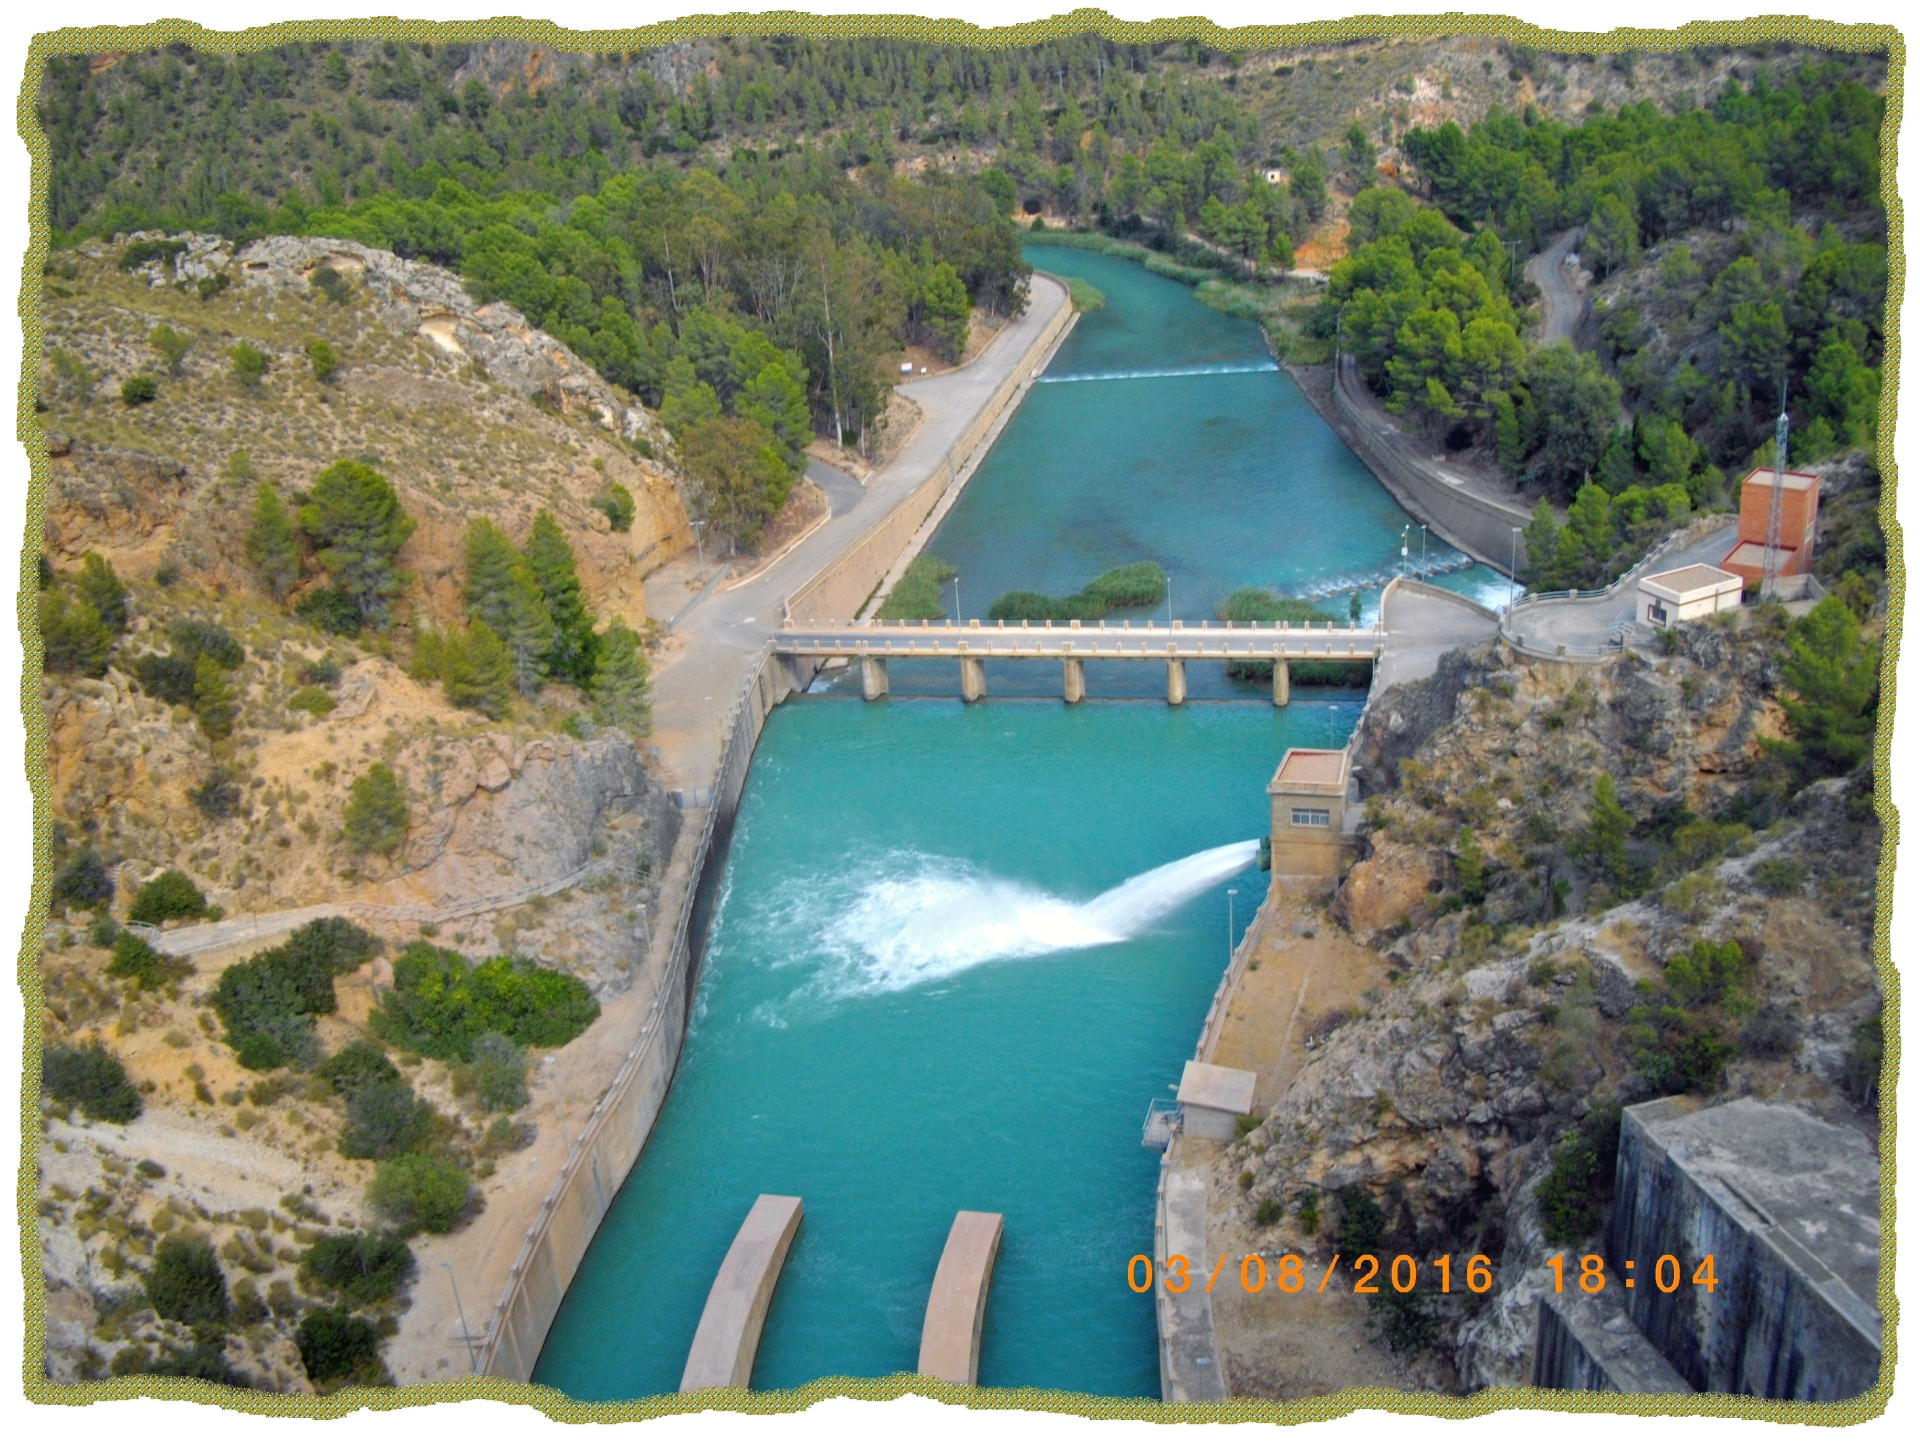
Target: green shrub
74	641
324	672
214	706
335	286
1309	1213
420	1193
338	1348
1268	1212
1574	1196
326	609
363	1267
169	895
1708	974
440	1006
90	1077
269	1000
376	816
1084	295
219	796
249	365
170	345
1140	584
166	677
139	390
185	1283
916	596
83	881
324	360
499	1072
616	504
135	961
1780	876
1361	1226
385	1119
313	700
357	1064
194	639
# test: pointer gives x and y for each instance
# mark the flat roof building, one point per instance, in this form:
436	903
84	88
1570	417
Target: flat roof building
1213	1099
1310	806
1687	594
1799	514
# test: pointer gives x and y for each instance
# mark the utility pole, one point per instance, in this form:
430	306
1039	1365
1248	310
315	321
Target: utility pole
1770	566
473	1357
956	598
1232	892
1513	565
1423	550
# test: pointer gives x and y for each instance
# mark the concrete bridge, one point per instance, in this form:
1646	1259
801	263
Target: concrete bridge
1073	644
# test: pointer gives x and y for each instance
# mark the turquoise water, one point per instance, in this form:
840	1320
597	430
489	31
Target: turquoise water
958	949
853	1046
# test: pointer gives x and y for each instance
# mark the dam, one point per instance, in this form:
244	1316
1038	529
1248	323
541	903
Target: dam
955	948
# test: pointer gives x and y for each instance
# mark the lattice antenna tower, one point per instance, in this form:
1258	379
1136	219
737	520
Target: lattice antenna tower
1770	565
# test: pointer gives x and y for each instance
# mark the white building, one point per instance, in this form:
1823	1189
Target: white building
1213	1099
1687	594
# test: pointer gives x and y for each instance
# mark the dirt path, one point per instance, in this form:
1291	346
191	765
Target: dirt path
1561	304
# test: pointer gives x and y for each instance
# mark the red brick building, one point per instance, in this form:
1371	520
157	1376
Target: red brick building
1799	511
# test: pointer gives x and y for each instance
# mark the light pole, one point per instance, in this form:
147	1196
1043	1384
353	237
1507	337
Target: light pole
956	598
1232	892
1403	550
1423	550
700	541
473	1358
1513	563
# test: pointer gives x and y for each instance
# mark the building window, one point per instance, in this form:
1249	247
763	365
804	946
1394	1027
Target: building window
1656	613
1305	816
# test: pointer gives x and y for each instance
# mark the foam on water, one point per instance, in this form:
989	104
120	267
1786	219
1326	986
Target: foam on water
1230	369
926	918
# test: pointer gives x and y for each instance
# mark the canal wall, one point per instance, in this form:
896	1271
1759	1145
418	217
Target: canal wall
620	1123
841	590
1476	524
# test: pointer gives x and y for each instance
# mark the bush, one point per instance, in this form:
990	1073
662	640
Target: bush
916	596
267	1002
166	678
219	796
337	1347
1141	584
361	1266
324	360
90	1077
185	1283
1362	1227
324	672
616	504
499	1072
420	1193
1268	1212
1780	876
169	895
73	639
1575	1195
385	1119
326	609
135	961
194	639
214	706
312	700
83	881
376	816
139	390
357	1064
439	1006
249	365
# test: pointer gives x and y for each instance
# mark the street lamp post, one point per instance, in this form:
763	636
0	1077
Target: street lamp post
1232	892
956	598
1423	550
473	1358
1403	550
1513	563
700	541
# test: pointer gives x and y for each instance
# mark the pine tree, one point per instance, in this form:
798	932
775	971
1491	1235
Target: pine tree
550	560
502	593
1832	674
104	591
1604	840
477	671
353	517
377	813
621	684
72	638
213	703
273	545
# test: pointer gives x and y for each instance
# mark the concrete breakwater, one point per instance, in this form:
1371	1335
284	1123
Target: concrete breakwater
617	1129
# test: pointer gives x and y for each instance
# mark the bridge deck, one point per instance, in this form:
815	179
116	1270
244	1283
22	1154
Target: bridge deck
729	1333
1123	642
950	1340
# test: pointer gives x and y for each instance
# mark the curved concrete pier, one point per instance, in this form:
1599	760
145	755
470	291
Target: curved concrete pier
950	1340
729	1333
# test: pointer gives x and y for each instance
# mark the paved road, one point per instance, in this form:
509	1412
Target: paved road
1420	626
1561	305
1585	625
715	642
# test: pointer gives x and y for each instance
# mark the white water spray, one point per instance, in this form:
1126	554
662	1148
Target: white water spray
935	918
1234	368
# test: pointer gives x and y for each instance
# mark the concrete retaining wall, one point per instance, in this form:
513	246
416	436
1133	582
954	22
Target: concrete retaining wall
620	1124
1472	523
839	591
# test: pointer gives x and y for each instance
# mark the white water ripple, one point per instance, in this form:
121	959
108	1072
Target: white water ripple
925	918
1229	369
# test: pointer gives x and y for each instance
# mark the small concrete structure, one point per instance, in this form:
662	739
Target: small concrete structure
1788	1207
729	1333
1586	1343
1799	514
1213	1099
1687	594
957	1309
1310	841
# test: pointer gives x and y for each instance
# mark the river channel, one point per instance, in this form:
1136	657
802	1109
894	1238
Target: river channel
959	948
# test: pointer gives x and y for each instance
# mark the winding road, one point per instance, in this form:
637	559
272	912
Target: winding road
1561	302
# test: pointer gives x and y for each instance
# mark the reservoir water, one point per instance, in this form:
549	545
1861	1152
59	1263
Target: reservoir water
958	949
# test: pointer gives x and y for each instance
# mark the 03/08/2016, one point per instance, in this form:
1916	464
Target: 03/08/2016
1403	1273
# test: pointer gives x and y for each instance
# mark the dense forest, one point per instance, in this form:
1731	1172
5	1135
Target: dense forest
1753	236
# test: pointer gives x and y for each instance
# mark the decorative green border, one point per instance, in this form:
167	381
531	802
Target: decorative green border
1881	39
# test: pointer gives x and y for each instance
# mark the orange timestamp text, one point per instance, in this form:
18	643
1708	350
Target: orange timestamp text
1289	1274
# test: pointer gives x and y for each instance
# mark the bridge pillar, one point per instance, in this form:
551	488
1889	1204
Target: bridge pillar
1176	683
802	671
873	677
1282	681
1073	679
973	678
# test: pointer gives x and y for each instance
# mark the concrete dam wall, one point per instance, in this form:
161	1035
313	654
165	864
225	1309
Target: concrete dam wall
1786	1206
